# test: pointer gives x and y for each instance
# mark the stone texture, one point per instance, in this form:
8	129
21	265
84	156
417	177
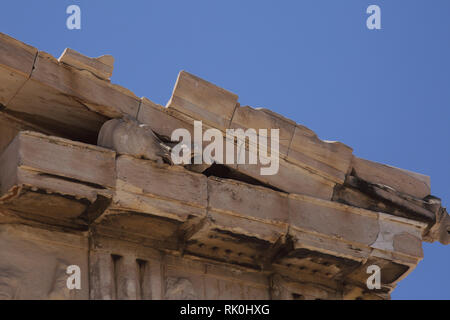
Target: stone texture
327	158
101	67
291	179
247	117
203	100
33	263
411	183
16	64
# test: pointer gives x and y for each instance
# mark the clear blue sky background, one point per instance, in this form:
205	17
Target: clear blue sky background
385	93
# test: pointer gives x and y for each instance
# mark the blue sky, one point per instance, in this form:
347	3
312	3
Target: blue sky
385	93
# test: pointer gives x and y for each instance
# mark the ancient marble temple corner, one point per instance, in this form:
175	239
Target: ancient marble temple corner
93	205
